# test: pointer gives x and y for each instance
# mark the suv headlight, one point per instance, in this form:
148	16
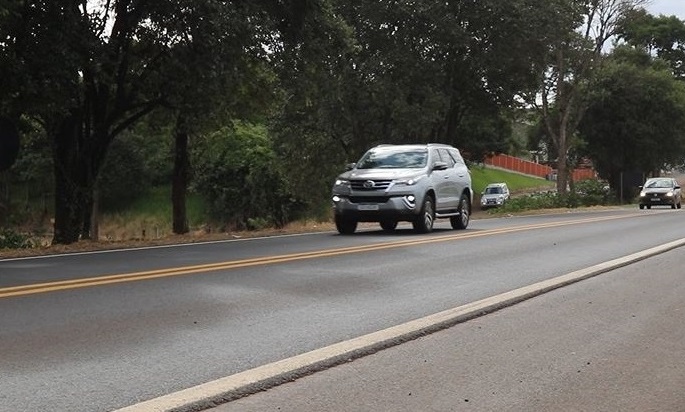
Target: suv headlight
342	182
410	181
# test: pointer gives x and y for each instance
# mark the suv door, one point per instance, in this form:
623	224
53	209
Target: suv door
451	189
461	171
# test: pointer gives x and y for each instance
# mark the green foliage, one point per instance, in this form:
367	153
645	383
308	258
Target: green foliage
124	179
592	192
241	179
664	35
10	239
137	161
154	204
588	192
413	72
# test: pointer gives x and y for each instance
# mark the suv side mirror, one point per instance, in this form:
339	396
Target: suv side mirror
439	166
350	166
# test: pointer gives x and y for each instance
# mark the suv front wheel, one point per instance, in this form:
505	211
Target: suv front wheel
388	225
344	225
424	221
461	221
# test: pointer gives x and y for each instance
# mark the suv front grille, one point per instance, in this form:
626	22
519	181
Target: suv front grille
368	199
370	184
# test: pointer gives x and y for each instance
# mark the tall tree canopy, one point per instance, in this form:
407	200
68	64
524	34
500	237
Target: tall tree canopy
663	35
90	69
416	71
572	62
635	120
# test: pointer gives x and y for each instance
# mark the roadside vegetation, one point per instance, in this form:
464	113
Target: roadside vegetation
589	192
148	217
157	119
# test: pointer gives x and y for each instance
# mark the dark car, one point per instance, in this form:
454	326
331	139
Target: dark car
663	191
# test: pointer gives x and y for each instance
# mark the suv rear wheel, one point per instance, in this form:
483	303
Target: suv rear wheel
462	220
424	221
344	225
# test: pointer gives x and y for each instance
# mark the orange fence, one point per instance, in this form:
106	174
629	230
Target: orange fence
535	169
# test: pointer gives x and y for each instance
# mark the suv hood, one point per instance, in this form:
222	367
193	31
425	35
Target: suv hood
385	174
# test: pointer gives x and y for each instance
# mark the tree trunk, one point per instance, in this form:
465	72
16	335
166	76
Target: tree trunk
180	177
69	204
73	180
88	209
562	171
95	216
5	199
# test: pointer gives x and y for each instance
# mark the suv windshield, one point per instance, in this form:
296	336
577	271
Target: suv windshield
393	159
493	190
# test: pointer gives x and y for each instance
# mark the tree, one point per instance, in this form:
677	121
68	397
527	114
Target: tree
241	179
417	71
9	143
90	71
662	35
572	62
635	119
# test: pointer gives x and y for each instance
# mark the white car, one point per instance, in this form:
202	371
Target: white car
494	195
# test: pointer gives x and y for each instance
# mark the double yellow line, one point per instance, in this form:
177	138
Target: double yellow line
268	260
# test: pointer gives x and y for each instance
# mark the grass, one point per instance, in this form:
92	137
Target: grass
482	176
150	217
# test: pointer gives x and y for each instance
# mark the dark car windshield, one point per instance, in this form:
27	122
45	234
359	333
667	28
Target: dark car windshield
663	183
493	190
393	159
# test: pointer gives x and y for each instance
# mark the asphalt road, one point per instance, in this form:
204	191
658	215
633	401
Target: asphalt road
615	342
101	331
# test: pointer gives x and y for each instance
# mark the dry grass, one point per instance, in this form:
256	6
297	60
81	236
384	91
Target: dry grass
119	232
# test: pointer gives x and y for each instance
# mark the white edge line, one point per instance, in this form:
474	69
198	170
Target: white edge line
219	391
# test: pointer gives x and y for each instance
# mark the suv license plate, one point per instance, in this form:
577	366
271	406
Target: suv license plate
367	207
655	199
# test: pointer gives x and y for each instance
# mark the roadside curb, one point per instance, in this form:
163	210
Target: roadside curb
214	393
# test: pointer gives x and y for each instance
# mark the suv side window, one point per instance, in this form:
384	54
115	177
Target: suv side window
445	157
457	157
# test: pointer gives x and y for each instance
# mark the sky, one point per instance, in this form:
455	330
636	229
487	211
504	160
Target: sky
667	7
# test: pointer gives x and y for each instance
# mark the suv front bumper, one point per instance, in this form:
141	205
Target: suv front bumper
366	209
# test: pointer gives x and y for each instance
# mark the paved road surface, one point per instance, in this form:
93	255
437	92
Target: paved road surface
615	342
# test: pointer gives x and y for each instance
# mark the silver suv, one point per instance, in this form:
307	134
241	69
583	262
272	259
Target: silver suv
414	183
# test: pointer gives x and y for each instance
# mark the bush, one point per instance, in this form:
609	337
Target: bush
588	192
594	192
124	177
241	179
10	239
